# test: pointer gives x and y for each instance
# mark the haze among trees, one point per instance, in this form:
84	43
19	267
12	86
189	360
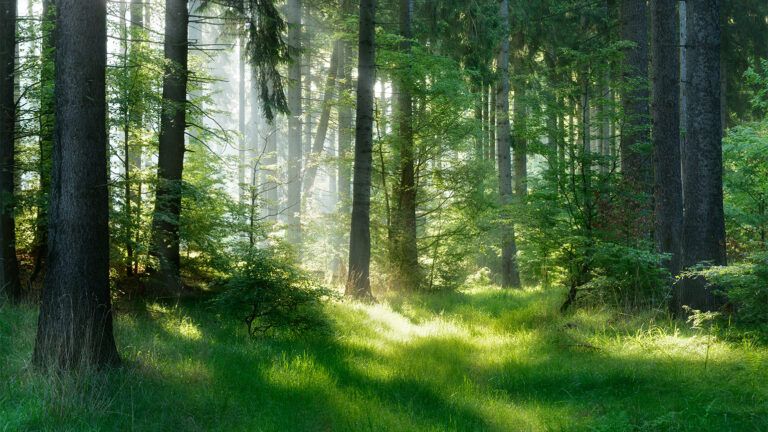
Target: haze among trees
398	215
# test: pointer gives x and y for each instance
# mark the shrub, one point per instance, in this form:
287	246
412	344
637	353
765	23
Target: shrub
744	285
267	291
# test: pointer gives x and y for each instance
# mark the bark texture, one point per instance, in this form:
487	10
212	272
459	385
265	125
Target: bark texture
510	276
293	205
668	189
704	222
358	280
404	250
9	266
170	162
75	323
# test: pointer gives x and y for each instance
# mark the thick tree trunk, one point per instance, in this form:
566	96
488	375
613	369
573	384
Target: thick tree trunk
45	140
635	157
9	266
325	117
170	162
358	280
703	223
75	323
293	205
668	189
510	276
405	255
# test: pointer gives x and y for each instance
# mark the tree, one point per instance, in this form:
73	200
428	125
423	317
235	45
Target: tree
75	323
358	280
9	268
635	159
510	276
668	189
170	162
293	206
704	220
45	139
404	252
325	117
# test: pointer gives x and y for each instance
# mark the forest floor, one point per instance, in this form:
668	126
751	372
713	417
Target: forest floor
476	360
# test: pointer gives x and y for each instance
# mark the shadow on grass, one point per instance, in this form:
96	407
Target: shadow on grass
188	369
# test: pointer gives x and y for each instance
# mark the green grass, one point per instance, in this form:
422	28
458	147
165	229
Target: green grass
478	360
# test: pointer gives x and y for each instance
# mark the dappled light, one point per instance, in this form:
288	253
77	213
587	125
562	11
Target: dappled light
482	359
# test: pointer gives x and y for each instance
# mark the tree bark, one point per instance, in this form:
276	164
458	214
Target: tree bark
242	150
668	189
510	276
9	266
405	252
45	140
75	322
703	222
170	162
358	280
293	205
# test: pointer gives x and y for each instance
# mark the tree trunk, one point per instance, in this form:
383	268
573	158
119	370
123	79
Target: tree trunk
344	176
358	280
170	161
293	206
45	140
510	277
668	190
9	270
703	223
405	251
242	165
135	150
520	143
635	158
325	117
75	323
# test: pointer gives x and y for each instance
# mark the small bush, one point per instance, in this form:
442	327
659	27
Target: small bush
744	285
269	292
617	275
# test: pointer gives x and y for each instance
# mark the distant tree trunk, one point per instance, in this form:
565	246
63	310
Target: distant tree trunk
325	117
170	161
242	146
9	270
635	159
293	206
703	223
668	189
45	140
270	172
404	251
520	142
344	176
358	281
683	14
492	125
510	276
75	323
484	120
135	150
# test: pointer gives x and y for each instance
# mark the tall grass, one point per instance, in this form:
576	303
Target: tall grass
481	359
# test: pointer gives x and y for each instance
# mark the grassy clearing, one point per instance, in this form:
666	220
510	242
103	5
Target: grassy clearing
478	360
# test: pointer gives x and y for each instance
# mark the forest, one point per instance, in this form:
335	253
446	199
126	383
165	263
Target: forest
384	215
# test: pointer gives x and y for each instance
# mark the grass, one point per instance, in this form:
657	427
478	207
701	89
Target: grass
477	360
